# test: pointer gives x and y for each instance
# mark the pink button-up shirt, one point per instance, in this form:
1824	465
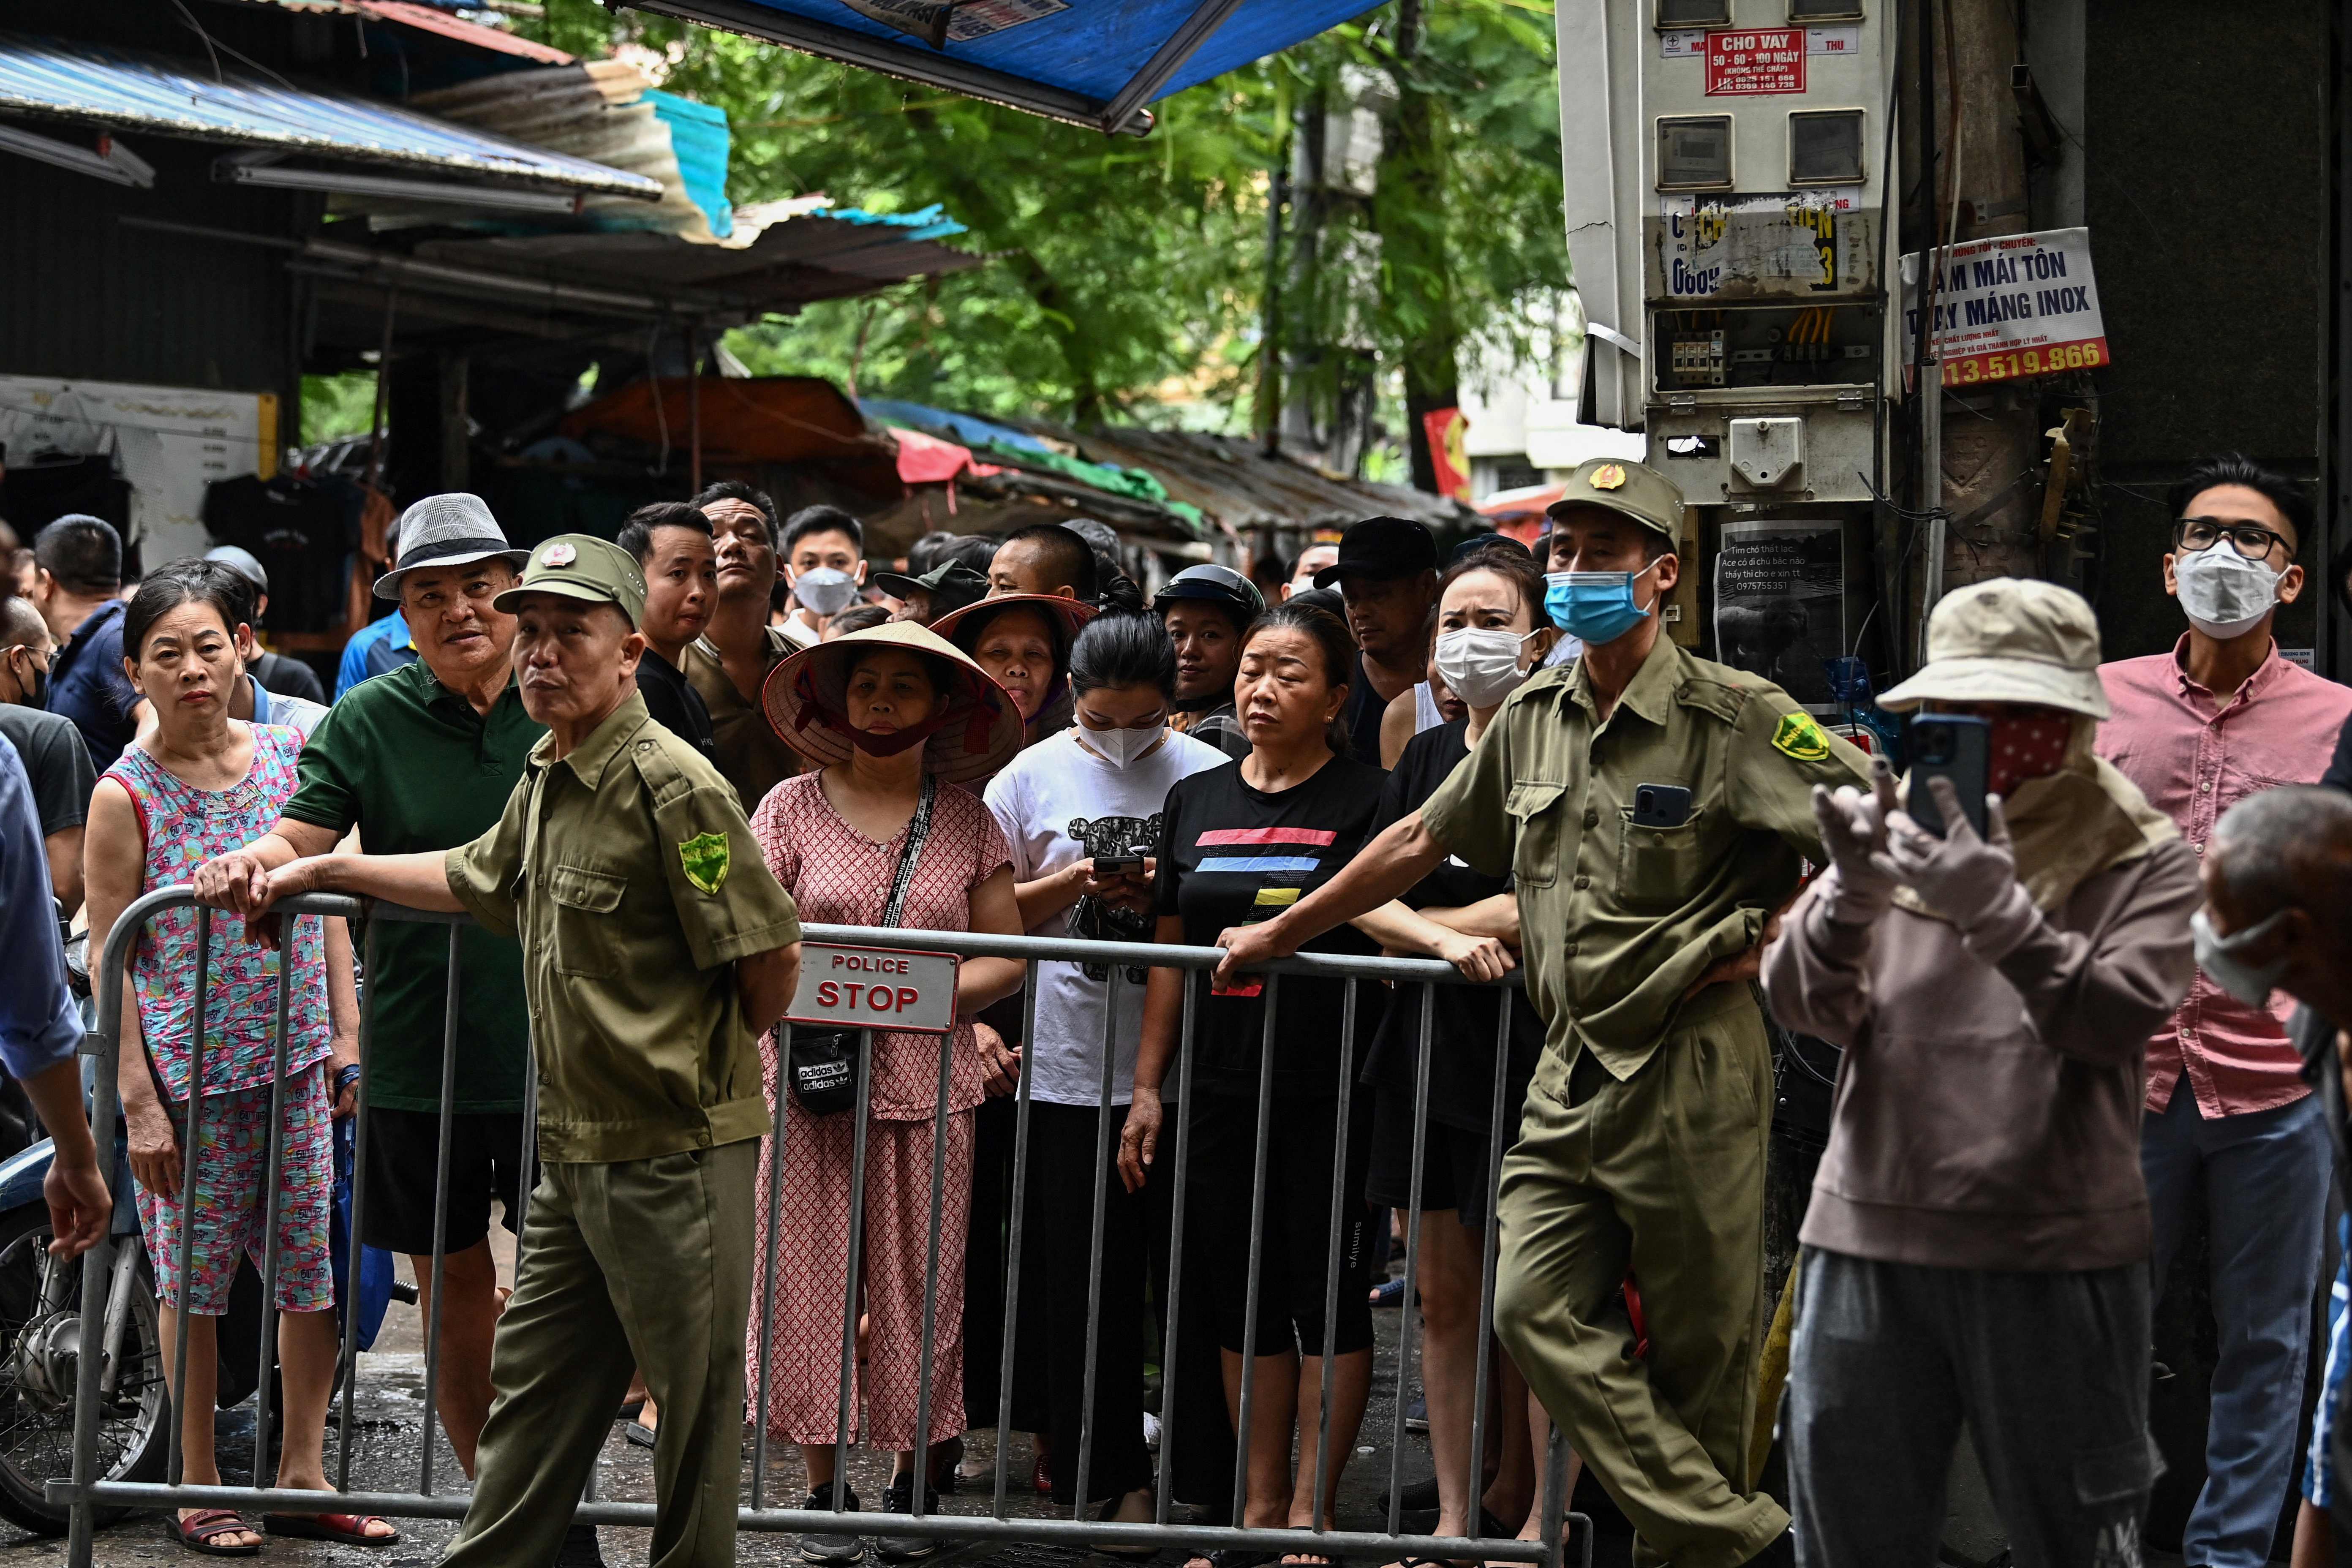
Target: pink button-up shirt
2194	756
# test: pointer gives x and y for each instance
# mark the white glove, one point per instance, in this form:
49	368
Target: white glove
1971	881
1853	830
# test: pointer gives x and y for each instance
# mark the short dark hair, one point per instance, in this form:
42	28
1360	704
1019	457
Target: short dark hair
823	519
181	582
82	552
636	535
1329	634
1123	649
1068	557
936	548
858	618
736	489
20	624
2236	468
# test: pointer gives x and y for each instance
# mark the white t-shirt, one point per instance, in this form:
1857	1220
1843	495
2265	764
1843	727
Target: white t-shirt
1059	802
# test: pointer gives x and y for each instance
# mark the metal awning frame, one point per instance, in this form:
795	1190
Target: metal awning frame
1123	114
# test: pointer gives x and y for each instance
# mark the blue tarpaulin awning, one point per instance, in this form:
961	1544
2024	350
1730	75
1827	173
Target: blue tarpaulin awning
1090	62
169	95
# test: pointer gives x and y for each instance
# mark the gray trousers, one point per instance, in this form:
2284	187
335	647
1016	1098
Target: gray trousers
2049	1370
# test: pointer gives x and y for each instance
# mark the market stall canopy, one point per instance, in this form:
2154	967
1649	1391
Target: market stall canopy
122	90
1091	62
744	421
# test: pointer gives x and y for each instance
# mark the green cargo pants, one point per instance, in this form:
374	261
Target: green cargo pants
1661	1176
642	1263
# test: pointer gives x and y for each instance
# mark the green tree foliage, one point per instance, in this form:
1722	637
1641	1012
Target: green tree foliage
1119	266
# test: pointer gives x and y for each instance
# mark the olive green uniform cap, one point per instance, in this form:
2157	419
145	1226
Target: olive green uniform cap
1631	490
581	566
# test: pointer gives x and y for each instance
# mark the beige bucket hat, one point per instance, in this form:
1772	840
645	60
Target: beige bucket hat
805	702
2009	639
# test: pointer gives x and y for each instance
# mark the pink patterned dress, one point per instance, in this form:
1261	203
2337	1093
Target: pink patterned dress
181	827
838	875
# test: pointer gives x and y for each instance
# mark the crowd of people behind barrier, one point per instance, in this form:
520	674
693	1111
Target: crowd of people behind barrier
2056	1022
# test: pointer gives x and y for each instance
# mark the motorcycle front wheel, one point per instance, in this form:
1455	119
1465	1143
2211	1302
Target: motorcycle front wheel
39	1345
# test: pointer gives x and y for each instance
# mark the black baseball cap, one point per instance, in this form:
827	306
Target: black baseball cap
1384	549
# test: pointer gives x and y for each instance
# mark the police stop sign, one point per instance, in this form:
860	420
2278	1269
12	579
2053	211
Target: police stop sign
876	988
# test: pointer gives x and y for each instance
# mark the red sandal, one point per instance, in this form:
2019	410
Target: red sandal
202	1529
351	1528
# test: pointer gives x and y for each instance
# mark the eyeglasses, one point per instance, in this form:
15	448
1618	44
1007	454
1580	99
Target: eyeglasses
2251	540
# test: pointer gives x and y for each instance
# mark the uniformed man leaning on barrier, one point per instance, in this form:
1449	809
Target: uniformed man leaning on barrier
656	946
1652	806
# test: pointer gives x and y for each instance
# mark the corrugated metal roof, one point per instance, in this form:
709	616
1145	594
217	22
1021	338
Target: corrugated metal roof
1232	480
601	111
174	95
433	19
805	257
430	20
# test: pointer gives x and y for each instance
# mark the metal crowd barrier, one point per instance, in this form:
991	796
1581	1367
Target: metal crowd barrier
86	1491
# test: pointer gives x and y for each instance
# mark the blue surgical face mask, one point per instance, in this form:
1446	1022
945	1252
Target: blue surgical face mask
1594	607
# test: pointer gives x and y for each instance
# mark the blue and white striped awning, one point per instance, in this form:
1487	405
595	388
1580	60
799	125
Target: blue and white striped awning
179	96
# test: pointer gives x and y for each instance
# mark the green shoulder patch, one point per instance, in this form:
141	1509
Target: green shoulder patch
705	859
1801	738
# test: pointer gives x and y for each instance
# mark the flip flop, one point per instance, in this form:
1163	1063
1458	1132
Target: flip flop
640	1433
200	1530
351	1528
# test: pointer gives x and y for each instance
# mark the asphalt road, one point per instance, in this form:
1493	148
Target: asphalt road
389	1422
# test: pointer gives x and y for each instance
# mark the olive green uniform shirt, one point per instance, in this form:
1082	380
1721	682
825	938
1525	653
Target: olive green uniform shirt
1616	921
742	743
630	875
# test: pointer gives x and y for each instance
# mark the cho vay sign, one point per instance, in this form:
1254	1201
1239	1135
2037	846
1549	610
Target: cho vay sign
1758	60
2008	307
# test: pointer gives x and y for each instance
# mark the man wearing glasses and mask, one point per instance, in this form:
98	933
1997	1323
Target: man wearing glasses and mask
2219	717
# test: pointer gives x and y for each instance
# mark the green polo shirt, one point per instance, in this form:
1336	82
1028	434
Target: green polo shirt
408	763
1616	919
629	872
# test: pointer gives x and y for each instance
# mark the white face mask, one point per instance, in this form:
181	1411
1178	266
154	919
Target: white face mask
1481	664
2223	593
825	590
1120	748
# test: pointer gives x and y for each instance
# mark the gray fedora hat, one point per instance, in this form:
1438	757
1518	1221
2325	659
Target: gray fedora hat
447	531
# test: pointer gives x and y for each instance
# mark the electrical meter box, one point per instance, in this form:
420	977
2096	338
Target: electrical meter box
1725	165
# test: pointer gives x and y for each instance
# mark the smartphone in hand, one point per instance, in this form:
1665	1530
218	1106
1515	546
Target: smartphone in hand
1951	746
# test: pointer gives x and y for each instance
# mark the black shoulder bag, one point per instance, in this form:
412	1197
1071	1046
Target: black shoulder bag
825	1064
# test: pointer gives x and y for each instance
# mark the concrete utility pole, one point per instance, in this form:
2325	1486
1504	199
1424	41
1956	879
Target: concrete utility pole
1991	439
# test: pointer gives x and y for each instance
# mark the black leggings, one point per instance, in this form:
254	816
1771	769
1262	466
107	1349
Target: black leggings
1293	1265
1056	1283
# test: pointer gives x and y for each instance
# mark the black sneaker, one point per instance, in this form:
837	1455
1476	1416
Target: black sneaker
831	1549
901	1499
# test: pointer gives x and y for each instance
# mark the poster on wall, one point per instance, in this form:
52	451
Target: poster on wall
2008	307
1779	605
168	442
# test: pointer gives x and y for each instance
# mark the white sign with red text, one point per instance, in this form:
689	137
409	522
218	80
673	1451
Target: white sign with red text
876	988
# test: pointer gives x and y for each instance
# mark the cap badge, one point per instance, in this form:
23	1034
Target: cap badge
1607	476
558	555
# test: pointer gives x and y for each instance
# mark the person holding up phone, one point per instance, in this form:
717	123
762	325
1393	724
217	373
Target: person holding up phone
1975	1248
1642	1150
